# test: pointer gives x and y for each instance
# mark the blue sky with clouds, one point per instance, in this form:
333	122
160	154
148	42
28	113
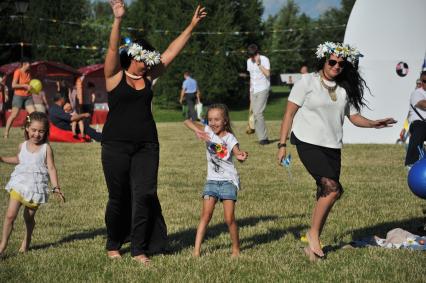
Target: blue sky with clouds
312	8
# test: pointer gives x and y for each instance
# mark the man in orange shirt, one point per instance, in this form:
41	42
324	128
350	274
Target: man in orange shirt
22	96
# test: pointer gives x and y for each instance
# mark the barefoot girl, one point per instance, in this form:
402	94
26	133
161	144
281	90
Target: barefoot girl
222	177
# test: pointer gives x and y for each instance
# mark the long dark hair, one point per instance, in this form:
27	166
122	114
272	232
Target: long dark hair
125	58
226	116
40	117
351	81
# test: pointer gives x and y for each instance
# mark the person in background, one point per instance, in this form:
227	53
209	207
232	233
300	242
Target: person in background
4	93
259	68
416	118
304	69
40	102
62	120
191	93
22	95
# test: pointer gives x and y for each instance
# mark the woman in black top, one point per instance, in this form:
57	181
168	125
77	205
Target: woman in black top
130	149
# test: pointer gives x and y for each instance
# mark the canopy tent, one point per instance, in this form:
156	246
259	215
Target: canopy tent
94	74
47	72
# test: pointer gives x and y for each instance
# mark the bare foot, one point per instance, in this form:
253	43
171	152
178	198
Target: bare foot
114	254
196	254
143	259
311	255
235	254
314	245
24	247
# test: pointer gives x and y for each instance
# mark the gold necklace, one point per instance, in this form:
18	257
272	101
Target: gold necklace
132	76
331	89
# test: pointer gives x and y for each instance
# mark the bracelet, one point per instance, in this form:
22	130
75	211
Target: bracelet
280	145
54	189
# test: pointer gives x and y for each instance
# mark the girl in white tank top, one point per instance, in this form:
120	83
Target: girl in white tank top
28	185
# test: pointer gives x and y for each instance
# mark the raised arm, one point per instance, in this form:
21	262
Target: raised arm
198	130
178	44
362	122
112	59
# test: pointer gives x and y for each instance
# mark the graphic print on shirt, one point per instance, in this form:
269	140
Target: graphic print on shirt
218	153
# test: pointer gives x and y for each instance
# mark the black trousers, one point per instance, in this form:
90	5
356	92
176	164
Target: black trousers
190	101
417	138
133	207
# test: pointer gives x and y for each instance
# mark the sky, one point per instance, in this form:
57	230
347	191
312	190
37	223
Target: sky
312	8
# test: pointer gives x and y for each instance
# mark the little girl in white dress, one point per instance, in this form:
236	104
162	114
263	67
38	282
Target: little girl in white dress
28	184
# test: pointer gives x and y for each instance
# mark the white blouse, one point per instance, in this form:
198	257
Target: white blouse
319	120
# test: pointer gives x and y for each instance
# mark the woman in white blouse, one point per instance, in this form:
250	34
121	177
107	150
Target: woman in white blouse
316	108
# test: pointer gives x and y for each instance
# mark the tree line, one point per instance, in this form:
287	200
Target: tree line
76	33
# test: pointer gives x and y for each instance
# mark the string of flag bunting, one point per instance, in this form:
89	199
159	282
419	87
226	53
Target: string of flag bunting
102	49
85	24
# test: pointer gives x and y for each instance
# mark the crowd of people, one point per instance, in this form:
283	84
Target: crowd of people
313	121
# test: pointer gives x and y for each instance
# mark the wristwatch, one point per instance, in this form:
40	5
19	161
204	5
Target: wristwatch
280	145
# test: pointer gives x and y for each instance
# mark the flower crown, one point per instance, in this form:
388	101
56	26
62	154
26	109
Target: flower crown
351	54
150	58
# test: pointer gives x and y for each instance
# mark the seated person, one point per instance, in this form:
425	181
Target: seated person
68	109
62	120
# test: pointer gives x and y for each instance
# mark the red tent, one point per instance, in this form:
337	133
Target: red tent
95	75
47	72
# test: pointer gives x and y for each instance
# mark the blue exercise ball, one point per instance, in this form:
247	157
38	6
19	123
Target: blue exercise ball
417	178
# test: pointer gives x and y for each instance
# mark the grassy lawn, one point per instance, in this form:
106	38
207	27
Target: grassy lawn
272	211
274	110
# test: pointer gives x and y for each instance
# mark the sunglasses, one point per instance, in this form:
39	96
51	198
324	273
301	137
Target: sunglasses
424	81
332	62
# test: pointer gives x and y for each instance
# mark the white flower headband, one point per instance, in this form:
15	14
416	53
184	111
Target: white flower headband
150	58
351	54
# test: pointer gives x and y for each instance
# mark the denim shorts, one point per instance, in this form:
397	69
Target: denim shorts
20	101
221	190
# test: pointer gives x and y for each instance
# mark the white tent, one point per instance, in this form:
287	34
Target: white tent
386	32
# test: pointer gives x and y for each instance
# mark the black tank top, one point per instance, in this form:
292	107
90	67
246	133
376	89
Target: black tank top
130	118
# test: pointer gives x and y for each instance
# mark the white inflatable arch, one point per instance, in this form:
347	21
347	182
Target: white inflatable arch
386	32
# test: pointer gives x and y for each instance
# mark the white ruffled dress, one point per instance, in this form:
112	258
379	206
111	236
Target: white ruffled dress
30	178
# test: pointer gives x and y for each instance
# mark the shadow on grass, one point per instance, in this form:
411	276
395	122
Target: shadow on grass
412	225
185	239
89	234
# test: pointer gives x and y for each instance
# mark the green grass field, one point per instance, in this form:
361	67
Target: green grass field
272	210
274	111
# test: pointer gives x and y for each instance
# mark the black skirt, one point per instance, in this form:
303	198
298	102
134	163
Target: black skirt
318	160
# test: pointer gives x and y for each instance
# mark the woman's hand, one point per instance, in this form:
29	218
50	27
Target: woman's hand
199	14
117	8
281	155
384	123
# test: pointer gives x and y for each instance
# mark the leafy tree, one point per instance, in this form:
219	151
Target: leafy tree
287	40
